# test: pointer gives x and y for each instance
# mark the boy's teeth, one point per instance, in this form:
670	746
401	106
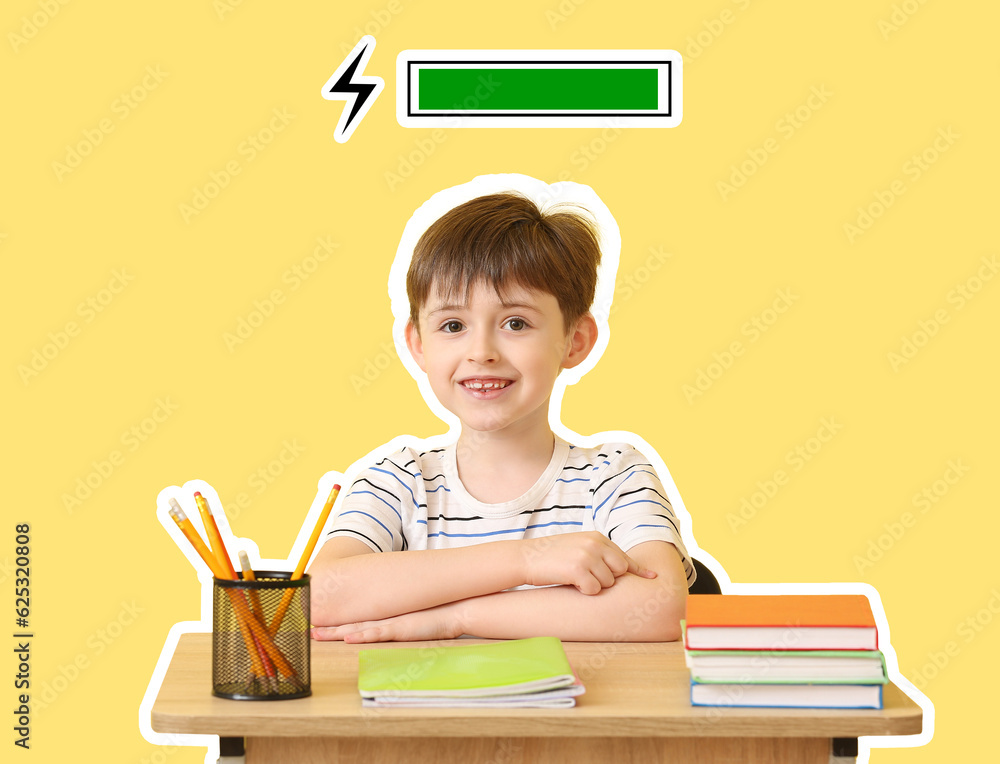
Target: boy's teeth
477	385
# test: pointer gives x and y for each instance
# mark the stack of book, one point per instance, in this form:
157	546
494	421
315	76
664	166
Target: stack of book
519	673
787	650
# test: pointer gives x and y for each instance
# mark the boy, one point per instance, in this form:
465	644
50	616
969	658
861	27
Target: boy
441	543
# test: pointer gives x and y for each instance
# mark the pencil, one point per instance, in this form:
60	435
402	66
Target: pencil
178	516
260	631
272	675
248	575
258	610
304	559
214	537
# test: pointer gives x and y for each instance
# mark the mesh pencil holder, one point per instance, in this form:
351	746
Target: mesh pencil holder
260	637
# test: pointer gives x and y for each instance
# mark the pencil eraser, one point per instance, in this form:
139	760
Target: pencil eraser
336	486
197	494
176	513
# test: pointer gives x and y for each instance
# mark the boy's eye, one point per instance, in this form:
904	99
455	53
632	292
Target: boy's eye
452	326
517	324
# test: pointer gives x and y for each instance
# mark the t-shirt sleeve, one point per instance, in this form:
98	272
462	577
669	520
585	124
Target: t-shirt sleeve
373	509
630	505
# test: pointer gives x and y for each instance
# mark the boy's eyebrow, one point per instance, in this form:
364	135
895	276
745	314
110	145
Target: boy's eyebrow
446	309
519	306
505	305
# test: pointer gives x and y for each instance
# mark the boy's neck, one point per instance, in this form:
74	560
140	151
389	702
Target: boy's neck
496	467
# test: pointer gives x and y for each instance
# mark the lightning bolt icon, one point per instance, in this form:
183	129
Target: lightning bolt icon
359	92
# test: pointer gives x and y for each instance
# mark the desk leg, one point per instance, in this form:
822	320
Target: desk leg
552	750
231	746
845	747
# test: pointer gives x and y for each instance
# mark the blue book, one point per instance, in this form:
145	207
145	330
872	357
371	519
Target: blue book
787	695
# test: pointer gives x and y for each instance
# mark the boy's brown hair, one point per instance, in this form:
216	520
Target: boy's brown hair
503	240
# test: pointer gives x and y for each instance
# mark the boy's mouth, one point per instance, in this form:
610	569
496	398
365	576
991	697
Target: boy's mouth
485	383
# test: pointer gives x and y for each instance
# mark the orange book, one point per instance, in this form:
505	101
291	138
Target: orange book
780	622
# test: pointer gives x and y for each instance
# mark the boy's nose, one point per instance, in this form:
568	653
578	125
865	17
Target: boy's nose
482	348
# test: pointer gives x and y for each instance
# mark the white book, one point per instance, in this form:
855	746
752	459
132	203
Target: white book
789	666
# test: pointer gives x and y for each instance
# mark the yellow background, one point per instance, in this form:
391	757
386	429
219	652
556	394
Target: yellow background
896	77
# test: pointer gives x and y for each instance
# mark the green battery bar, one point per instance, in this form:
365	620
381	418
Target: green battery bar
580	90
542	88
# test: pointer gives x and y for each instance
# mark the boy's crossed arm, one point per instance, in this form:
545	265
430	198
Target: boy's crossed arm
593	591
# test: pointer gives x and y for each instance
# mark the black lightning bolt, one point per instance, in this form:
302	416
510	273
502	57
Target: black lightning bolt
361	91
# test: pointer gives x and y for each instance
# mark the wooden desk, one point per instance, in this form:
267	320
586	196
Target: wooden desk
636	709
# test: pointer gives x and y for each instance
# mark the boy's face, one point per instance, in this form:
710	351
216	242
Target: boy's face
493	362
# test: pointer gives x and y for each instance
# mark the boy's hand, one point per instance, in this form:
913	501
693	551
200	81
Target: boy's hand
588	560
440	622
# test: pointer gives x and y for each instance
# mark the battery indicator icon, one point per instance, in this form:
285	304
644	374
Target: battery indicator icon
538	88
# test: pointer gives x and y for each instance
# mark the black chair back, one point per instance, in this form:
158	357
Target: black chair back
706	582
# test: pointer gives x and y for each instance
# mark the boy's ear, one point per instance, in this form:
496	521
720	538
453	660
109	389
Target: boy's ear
415	345
581	341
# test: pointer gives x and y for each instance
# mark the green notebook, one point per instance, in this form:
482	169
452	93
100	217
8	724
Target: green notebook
519	672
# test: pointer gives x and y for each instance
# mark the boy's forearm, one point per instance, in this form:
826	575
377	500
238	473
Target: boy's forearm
373	586
635	609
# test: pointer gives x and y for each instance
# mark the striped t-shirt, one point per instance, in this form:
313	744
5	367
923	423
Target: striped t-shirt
415	500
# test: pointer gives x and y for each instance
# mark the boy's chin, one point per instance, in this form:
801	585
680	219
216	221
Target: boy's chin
483	428
486	427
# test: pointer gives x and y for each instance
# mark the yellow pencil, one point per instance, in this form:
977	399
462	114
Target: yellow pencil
304	559
178	516
258	610
248	575
214	537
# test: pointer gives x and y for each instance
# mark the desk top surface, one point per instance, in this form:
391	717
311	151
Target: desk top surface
633	690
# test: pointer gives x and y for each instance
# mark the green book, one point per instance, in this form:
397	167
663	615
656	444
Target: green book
515	673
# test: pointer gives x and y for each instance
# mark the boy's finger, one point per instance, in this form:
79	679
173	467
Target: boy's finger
639	570
589	586
360	637
325	633
605	577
